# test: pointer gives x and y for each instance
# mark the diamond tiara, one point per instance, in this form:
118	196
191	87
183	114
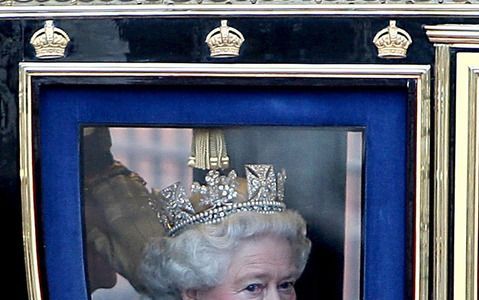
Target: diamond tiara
263	192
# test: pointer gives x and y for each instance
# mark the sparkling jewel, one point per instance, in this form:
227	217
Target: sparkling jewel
219	198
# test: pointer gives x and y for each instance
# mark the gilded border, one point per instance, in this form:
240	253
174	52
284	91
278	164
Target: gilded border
447	37
26	186
471	259
441	171
419	73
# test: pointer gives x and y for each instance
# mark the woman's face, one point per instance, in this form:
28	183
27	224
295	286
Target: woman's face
261	268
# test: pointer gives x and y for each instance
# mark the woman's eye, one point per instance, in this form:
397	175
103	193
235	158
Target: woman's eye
254	288
286	286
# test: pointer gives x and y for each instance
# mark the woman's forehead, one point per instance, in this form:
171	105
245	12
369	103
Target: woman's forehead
264	256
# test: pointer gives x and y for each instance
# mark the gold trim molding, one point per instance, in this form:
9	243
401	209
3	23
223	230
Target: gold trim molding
419	73
454	35
466	258
445	38
473	191
48	10
239	2
441	163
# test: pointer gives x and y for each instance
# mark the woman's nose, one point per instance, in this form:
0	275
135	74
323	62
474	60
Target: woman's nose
272	294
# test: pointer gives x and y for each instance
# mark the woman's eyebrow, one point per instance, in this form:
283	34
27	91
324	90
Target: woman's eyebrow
291	277
248	275
261	275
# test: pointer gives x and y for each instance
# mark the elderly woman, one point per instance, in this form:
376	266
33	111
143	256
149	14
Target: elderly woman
225	243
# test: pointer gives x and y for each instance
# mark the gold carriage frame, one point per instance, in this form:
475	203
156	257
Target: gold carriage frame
418	73
446	39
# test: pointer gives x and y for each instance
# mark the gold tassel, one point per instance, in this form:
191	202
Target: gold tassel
208	150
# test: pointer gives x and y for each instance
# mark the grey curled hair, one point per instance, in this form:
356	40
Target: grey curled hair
198	258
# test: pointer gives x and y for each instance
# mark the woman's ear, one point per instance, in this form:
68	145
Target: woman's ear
189	295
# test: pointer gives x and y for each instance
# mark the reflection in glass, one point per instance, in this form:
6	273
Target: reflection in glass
324	167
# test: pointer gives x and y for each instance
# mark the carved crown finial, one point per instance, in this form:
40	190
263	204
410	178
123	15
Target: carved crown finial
392	41
50	41
224	41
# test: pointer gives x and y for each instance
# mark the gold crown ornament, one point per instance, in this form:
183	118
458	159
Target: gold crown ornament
50	41
392	41
224	41
223	195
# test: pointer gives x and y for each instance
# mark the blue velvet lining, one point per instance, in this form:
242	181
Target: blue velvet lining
381	112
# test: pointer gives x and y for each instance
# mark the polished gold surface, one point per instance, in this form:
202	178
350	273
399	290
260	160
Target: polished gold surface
224	70
26	183
392	42
473	191
460	175
454	35
49	41
239	2
467	179
446	37
422	210
418	73
441	163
